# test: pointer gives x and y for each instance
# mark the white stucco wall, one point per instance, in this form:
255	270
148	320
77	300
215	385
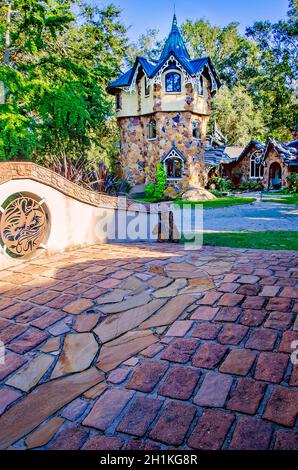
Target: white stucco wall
72	223
169	101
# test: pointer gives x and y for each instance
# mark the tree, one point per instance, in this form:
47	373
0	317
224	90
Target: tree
147	46
55	71
274	88
233	55
236	116
263	63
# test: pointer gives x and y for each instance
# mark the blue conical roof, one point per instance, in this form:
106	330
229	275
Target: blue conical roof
174	46
175	43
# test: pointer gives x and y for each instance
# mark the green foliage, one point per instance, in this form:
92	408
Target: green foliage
147	45
292	183
91	175
258	69
220	202
233	55
55	72
237	116
274	240
220	184
155	191
251	186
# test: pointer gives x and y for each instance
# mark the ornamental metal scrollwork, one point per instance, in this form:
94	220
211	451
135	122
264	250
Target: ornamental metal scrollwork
23	226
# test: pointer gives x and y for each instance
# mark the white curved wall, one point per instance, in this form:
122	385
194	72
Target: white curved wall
73	223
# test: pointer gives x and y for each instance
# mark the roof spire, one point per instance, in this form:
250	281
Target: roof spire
174	23
175	43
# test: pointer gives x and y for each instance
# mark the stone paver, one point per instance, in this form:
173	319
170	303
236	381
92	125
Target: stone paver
44	433
179	415
140	415
150	346
251	434
211	430
247	396
147	375
180	382
214	390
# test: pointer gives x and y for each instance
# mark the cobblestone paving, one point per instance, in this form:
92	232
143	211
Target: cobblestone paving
150	347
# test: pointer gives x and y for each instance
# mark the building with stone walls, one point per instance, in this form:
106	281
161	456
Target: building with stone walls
269	163
163	109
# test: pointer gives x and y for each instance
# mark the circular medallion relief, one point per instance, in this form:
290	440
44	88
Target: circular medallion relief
23	226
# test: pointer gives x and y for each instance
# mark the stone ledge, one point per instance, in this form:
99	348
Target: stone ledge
28	170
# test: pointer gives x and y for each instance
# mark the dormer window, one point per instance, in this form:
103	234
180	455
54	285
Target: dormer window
173	82
196	130
147	87
152	129
174	164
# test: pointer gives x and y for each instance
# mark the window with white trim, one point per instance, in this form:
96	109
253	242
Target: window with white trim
256	165
200	84
196	130
173	82
151	129
173	165
118	102
147	86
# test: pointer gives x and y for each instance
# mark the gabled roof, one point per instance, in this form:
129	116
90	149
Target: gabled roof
233	151
176	151
175	47
259	146
288	151
214	156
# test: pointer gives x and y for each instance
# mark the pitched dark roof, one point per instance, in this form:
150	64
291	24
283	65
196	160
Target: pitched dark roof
214	156
174	149
253	143
288	151
175	47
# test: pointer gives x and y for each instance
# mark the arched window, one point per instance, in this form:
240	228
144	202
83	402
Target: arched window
118	102
256	165
173	82
152	129
196	130
173	165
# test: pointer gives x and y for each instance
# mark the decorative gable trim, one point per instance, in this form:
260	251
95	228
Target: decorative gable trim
174	152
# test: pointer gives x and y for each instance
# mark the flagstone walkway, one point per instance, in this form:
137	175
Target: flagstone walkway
149	347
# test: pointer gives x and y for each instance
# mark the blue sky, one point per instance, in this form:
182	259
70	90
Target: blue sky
142	15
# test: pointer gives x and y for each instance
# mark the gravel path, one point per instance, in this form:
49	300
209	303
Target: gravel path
257	216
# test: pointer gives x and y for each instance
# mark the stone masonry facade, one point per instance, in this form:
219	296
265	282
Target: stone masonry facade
140	155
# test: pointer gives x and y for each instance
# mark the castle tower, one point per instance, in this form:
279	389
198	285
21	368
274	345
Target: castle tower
163	109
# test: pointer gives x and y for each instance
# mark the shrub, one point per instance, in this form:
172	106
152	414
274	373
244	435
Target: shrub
236	177
292	182
155	191
250	186
220	184
91	175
